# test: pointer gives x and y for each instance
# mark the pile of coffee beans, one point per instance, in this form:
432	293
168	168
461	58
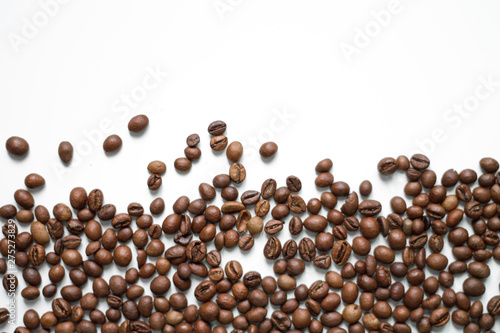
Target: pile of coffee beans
381	289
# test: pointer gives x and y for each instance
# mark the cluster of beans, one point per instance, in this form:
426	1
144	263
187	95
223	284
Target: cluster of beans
377	292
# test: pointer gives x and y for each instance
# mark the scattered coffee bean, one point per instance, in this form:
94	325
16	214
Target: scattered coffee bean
138	123
112	143
17	146
268	149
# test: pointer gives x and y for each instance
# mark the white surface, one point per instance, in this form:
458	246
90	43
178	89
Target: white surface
249	66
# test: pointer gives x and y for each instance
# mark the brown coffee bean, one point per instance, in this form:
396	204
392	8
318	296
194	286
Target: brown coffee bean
218	143
182	164
341	251
65	152
268	149
17	146
154	182
268	188
387	166
293	183
350	206
419	161
489	164
234	151
112	144
315	223
437	261
217	127
473	287
439	317
34	180
138	123
237	172
233	270
272	249
369	207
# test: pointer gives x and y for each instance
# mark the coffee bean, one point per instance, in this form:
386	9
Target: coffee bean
341	251
61	308
138	123
307	249
268	149
112	144
154	182
268	188
273	227
234	151
419	161
473	287
217	127
182	164
315	223
296	204
65	152
4	315
293	183
237	172
218	143
369	207
489	164
272	249
387	166
34	180
351	204
17	146
262	208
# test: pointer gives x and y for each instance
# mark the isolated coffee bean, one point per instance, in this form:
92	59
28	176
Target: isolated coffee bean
34	180
138	123
17	146
65	152
217	127
234	151
268	149
112	143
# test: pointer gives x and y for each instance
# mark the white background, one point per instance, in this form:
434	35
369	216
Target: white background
271	70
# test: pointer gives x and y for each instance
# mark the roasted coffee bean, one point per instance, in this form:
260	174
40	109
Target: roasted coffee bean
387	166
234	151
17	146
272	249
217	127
218	143
250	197
112	144
237	172
273	227
154	182
350	206
295	225
419	161
293	183
439	317
268	149
34	180
138	123
65	152
268	188
341	251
